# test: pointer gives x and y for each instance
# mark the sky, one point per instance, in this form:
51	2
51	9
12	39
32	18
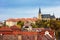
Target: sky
28	8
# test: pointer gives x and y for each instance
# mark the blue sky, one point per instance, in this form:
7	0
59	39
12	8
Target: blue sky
28	8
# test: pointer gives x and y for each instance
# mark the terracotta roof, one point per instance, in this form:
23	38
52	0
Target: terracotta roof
5	29
21	19
14	28
29	33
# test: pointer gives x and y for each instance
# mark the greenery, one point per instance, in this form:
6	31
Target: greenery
53	24
20	24
42	23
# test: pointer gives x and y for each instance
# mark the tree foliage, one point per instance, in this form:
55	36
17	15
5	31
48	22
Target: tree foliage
55	25
20	24
42	23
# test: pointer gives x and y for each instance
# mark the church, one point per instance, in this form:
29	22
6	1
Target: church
46	17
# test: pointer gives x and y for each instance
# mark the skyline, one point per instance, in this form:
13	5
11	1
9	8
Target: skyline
28	8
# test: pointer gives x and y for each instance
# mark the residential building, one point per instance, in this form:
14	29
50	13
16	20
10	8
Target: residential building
11	22
14	33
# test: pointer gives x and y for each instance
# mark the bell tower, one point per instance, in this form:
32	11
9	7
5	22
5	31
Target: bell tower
39	14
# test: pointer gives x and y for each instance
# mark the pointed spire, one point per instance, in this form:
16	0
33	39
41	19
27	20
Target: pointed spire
39	10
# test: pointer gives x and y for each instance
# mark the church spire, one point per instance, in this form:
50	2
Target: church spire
39	11
39	14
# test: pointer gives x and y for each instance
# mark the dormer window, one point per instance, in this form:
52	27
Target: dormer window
26	27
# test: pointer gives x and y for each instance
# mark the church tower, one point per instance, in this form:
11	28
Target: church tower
39	14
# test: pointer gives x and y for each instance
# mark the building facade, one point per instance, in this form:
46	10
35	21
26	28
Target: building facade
45	16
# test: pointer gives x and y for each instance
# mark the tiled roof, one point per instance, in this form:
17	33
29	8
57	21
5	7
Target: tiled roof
14	28
52	16
47	16
21	19
5	29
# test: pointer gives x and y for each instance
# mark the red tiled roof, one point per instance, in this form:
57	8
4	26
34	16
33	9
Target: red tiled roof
5	29
14	28
21	19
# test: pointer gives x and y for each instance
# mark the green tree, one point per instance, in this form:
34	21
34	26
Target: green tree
42	23
55	25
20	24
39	23
34	25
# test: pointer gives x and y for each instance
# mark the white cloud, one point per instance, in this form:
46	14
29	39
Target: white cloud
51	10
